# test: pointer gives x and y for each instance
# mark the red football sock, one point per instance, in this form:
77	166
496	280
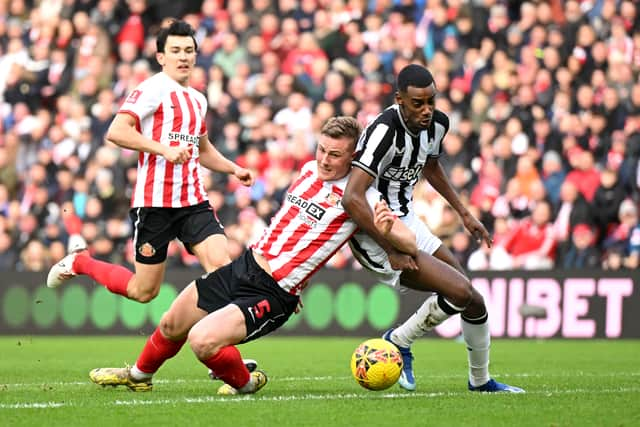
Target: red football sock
227	364
113	277
156	351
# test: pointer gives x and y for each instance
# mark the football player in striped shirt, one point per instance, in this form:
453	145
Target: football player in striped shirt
256	293
398	147
164	120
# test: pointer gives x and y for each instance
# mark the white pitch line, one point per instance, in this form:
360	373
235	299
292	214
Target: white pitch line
43	405
310	397
204	379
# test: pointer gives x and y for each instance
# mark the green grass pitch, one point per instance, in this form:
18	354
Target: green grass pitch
44	382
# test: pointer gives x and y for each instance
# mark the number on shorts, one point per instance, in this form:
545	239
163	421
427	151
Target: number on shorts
260	308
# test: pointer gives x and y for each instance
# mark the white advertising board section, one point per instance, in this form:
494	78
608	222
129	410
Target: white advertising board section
574	307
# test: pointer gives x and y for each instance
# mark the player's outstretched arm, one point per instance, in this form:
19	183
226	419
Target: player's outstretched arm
394	230
123	133
435	175
212	159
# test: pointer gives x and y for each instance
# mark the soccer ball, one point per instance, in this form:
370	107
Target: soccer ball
376	364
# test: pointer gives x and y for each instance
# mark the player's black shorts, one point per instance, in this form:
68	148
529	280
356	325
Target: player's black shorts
154	228
265	305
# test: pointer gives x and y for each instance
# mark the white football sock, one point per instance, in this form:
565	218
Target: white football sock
428	316
478	340
137	374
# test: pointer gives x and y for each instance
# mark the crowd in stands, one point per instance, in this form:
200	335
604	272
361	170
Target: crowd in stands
543	99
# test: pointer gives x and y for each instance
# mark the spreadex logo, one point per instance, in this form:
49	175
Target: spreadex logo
183	137
313	212
404	174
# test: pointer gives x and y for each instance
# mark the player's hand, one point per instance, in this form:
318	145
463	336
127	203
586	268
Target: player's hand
477	230
383	217
245	176
401	261
177	155
299	307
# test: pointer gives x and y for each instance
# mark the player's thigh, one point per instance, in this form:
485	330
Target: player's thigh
148	278
182	314
436	276
444	254
225	326
203	236
152	231
212	252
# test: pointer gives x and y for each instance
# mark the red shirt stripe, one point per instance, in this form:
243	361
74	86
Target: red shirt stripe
291	214
192	130
308	252
158	119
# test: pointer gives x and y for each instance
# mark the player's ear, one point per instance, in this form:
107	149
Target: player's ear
160	58
398	98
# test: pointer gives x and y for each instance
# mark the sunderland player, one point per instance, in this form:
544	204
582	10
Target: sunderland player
257	292
401	144
164	120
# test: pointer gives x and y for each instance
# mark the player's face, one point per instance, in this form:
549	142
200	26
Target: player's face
178	58
417	105
334	157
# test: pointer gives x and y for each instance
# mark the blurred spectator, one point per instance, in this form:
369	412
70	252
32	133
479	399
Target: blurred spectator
632	258
582	252
606	203
537	92
34	257
585	176
531	244
553	176
617	241
8	255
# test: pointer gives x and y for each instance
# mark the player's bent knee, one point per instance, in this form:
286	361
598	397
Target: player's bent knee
143	296
477	301
467	292
172	329
203	345
460	293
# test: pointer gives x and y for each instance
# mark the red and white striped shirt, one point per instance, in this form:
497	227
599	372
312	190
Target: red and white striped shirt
172	115
308	229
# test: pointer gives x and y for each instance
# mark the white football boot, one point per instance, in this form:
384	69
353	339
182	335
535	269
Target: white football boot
63	269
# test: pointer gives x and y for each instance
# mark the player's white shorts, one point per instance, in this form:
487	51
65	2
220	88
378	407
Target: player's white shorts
374	258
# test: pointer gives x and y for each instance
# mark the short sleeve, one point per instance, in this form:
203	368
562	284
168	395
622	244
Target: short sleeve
141	103
373	147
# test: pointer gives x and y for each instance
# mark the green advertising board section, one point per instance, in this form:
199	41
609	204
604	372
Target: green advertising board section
336	302
343	302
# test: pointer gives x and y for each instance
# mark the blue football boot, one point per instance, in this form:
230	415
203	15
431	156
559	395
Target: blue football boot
493	386
407	381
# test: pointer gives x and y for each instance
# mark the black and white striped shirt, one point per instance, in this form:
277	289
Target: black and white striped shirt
394	156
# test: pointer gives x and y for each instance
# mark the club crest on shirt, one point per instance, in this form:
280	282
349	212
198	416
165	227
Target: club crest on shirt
146	250
133	97
332	200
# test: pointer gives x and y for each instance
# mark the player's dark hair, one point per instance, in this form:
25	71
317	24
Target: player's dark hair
414	75
175	28
342	127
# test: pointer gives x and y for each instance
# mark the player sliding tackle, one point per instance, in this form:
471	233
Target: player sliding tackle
258	292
